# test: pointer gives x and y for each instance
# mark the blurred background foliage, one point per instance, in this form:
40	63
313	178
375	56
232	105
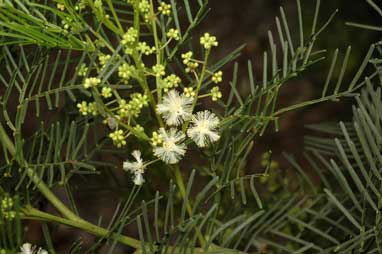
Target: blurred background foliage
236	23
248	21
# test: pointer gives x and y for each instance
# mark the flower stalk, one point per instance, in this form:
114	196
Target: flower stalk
70	218
182	189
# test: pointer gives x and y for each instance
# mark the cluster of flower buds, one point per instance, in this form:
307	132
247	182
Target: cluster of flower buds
159	87
7	208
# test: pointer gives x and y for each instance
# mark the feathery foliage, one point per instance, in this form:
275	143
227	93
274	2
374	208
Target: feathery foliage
79	97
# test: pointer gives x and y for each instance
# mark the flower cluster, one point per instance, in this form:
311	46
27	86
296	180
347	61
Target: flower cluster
215	93
104	59
106	92
158	70
137	167
164	8
131	86
144	8
172	147
145	49
91	82
175	108
125	71
61	7
217	77
86	108
189	62
130	36
6	208
173	34
171	81
156	139
189	92
28	248
82	70
118	137
208	41
203	130
133	107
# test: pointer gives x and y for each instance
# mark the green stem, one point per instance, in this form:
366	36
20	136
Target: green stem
114	13
6	140
138	63
214	249
182	189
203	73
73	220
70	219
311	102
32	213
157	47
198	86
48	194
146	88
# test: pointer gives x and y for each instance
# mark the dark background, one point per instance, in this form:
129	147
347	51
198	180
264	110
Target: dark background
247	22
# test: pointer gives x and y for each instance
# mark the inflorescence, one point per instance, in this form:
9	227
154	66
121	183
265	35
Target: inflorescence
154	89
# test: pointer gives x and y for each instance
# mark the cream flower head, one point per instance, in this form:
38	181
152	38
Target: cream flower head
28	248
137	167
172	148
175	108
138	179
203	128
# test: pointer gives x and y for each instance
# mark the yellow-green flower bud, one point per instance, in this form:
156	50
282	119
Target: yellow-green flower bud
217	77
145	49
91	82
103	59
164	8
215	93
186	57
191	66
82	70
156	139
61	7
158	70
106	92
173	34
171	81
130	36
125	71
118	138
189	92
92	108
144	6
6	208
208	41
83	108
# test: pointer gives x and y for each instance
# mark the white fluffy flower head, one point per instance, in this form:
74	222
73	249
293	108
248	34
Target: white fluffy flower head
136	167
175	108
203	129
138	179
28	248
172	148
